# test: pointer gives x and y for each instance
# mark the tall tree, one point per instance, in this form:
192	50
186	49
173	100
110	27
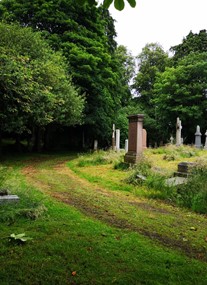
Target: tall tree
181	91
85	34
191	43
34	85
151	61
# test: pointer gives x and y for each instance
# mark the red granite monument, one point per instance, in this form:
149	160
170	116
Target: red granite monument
135	137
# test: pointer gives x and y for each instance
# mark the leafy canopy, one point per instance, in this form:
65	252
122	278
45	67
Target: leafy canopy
35	89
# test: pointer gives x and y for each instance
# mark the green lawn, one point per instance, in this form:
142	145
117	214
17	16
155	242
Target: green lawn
89	229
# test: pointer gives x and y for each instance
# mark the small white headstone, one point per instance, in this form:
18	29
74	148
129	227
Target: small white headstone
117	139
126	145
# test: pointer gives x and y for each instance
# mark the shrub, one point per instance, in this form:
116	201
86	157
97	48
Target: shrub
193	194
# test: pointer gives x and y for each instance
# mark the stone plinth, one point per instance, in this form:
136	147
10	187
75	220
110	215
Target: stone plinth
184	169
135	139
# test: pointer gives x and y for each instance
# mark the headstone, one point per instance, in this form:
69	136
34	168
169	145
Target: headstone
198	137
178	132
117	140
113	137
205	146
95	146
171	139
135	137
9	198
126	145
184	169
144	138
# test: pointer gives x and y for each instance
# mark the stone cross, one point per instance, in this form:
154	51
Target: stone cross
198	137
178	132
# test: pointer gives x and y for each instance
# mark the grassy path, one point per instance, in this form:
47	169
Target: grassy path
86	230
164	224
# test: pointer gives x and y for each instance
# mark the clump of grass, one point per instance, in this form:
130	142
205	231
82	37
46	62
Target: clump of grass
170	157
172	152
193	194
3	175
33	213
100	158
139	172
161	189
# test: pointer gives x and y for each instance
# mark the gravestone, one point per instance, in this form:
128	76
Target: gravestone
178	132
144	138
95	146
6	197
135	137
117	140
113	137
9	198
198	138
126	147
205	146
184	169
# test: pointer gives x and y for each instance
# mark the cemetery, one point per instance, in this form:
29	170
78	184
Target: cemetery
103	154
91	205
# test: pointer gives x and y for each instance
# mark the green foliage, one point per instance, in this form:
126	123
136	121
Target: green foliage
99	158
85	34
193	194
34	86
192	43
118	4
19	238
172	152
152	60
139	172
180	92
158	187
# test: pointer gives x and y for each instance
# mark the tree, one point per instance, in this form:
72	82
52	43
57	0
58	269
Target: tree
181	92
34	85
192	43
85	34
151	61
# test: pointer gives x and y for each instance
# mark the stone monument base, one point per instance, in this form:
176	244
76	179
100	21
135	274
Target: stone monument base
132	157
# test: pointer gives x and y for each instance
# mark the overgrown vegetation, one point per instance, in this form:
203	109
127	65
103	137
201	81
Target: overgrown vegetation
151	175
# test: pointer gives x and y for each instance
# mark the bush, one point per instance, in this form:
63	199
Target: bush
193	194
